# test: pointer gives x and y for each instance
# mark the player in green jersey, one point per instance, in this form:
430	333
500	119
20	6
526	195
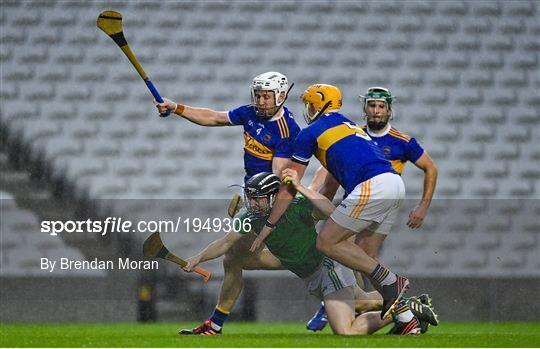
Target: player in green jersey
292	246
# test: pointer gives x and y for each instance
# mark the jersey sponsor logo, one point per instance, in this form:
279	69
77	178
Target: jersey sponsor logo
257	149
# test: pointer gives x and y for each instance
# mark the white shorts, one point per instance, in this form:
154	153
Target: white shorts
372	205
329	278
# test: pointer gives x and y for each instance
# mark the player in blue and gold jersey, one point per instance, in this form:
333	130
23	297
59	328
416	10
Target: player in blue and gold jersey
373	189
269	127
269	133
398	148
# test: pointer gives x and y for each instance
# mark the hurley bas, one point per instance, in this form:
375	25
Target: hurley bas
95	264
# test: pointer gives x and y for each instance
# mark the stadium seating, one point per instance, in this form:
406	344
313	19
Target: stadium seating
465	77
23	244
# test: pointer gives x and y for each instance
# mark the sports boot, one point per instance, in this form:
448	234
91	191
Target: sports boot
425	299
391	295
203	330
318	321
423	311
405	328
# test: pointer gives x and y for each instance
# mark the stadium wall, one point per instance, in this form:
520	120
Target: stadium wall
455	299
26	299
68	299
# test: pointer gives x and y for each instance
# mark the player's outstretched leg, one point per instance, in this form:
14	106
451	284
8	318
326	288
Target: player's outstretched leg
341	317
237	259
364	302
332	241
319	321
391	292
231	288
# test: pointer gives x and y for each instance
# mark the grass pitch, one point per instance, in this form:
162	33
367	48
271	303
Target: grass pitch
253	335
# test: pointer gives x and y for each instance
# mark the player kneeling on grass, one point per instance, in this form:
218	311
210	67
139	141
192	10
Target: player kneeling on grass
292	246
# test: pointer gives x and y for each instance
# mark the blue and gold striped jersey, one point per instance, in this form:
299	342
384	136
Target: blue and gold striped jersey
264	139
397	147
343	148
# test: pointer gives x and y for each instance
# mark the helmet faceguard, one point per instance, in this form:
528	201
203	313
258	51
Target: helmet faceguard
264	185
274	82
322	98
378	94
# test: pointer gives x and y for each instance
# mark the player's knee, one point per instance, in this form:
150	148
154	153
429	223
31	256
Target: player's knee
370	251
373	254
232	261
343	331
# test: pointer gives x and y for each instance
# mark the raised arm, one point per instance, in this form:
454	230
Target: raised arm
199	116
417	215
214	250
283	200
321	202
324	183
278	165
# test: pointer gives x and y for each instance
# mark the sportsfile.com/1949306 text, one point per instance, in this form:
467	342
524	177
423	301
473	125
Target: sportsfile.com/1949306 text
120	225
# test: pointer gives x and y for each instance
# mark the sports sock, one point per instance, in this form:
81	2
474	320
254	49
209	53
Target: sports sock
218	318
382	275
403	312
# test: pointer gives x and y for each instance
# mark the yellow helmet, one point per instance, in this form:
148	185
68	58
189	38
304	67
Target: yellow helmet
319	99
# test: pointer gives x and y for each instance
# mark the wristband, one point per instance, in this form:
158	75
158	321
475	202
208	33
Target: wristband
179	109
269	225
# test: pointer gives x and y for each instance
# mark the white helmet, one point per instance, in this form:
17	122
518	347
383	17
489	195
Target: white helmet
270	81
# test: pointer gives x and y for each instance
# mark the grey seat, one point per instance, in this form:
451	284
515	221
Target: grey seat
453	8
77	93
470	261
79	167
468	44
487	9
442	25
456	60
125	167
445	79
138	149
107	186
489	61
500	44
504	151
510	188
61	146
463	151
493	169
483	240
470	98
480	79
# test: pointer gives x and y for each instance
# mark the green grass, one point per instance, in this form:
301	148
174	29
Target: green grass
262	335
